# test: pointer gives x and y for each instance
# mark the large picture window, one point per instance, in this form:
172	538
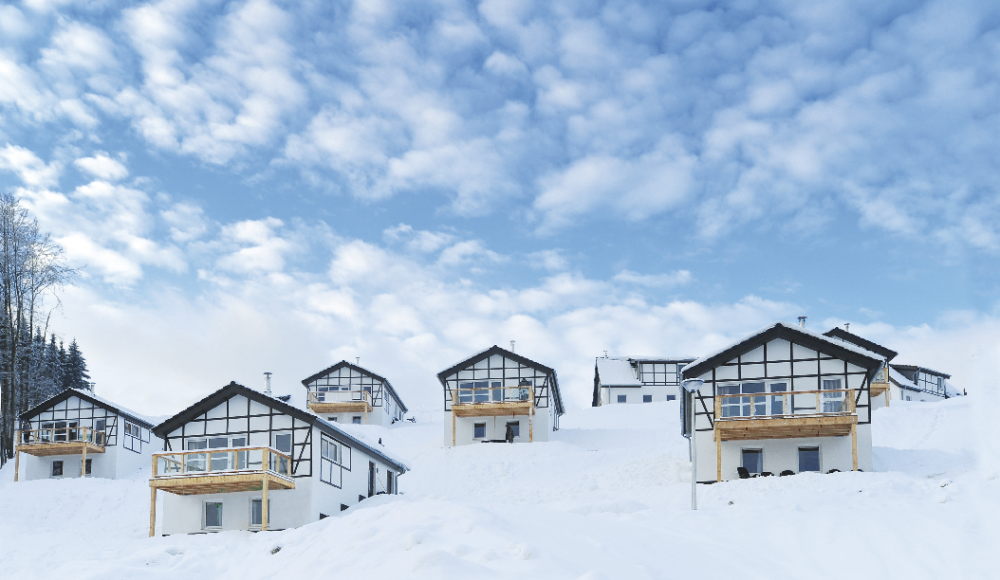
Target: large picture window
213	515
331	462
753	460
833	400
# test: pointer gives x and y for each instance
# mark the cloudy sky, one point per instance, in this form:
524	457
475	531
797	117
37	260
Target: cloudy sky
260	185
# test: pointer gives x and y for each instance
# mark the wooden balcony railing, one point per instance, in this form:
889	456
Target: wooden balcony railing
492	395
322	397
784	404
221	461
60	435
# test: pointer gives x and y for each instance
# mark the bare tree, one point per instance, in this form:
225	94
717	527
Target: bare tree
31	270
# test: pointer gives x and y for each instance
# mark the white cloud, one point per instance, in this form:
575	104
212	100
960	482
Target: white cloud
417	240
102	166
28	167
468	251
552	260
260	248
187	222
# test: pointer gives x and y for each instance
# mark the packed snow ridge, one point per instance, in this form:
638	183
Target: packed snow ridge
607	497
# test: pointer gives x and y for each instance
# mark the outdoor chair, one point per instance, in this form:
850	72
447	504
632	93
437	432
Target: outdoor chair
743	472
787	472
766	474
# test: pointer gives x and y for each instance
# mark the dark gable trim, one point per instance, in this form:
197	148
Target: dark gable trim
923	369
864	343
344	363
56	399
791	335
513	356
233	389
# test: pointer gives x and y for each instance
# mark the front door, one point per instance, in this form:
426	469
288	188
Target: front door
371	479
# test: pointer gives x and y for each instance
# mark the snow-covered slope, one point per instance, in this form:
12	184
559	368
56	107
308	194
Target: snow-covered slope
607	498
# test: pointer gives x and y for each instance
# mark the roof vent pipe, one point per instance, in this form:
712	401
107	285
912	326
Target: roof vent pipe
802	321
605	354
847	326
512	346
357	360
267	384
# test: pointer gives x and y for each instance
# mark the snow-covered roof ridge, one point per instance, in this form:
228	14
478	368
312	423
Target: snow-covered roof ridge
146	418
366	441
794	328
617	372
898	378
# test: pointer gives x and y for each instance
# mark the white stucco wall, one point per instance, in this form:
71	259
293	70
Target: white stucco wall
496	428
609	395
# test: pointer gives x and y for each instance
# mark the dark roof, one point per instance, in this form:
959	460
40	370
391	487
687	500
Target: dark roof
344	363
850	353
86	396
864	343
513	356
234	388
924	369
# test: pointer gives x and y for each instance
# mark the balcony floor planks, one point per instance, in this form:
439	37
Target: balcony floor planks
59	448
208	484
786	428
492	409
351	407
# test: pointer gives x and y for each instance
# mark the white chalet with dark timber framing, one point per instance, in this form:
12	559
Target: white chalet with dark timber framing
77	433
783	400
636	379
896	382
499	396
242	460
347	393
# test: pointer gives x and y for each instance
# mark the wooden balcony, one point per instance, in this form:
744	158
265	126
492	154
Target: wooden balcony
879	388
493	401
826	413
63	441
340	402
220	471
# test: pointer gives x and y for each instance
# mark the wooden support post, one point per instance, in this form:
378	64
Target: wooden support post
263	506
854	446
887	396
453	427
718	455
83	459
531	426
17	462
152	512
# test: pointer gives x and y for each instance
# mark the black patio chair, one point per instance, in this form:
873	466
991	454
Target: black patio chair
743	472
766	474
787	472
833	471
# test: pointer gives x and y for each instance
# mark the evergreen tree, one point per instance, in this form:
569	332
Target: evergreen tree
76	368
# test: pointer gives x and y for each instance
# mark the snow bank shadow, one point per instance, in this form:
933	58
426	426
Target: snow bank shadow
922	462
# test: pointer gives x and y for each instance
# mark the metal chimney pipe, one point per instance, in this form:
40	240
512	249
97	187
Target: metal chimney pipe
357	360
512	346
847	326
267	384
802	321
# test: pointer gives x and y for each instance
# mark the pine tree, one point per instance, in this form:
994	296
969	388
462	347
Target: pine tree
77	376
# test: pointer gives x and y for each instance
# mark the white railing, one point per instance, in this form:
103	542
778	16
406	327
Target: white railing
486	395
221	461
340	397
782	404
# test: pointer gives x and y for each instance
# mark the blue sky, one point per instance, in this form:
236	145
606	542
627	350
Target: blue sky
285	184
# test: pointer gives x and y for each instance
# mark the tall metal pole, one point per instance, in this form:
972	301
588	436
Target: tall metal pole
693	386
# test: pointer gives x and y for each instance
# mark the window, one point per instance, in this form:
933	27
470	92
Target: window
330	451
356	420
753	460
671	397
256	511
213	515
940	384
808	459
778	403
647	398
88	467
198	461
332	419
479	430
622	398
515	427
331	460
833	402
390	482
57	468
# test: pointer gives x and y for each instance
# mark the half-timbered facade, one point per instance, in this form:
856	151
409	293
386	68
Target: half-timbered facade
78	434
498	396
242	460
915	383
636	380
783	400
880	389
348	393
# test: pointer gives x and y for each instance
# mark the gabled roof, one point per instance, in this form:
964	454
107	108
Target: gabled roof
798	335
233	389
617	372
922	369
901	381
92	399
344	363
511	355
864	343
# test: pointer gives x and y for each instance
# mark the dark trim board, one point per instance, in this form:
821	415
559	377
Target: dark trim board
864	343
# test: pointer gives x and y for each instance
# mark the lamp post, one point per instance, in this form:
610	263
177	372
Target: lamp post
690	387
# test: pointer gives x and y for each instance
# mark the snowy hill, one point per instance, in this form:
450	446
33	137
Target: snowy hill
607	498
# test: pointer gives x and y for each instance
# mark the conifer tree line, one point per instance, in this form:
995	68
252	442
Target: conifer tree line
32	368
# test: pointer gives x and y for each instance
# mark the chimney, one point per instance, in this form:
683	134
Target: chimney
847	326
357	360
802	321
512	346
267	384
605	354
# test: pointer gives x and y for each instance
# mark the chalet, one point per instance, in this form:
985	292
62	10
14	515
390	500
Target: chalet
899	382
497	395
783	400
347	393
636	380
242	460
78	434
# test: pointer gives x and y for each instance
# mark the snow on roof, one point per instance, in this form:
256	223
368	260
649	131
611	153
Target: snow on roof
898	378
124	411
357	433
617	372
838	343
684	359
951	390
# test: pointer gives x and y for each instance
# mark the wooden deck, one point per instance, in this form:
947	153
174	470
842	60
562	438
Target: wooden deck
351	407
60	448
221	483
340	402
879	388
786	428
493	409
